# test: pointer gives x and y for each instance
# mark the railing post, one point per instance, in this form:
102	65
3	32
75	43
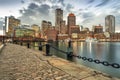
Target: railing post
47	50
40	46
69	43
28	45
70	54
21	43
15	42
3	39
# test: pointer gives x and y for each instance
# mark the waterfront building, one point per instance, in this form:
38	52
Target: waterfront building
62	36
58	18
46	25
100	36
74	31
24	32
84	34
71	22
115	36
110	24
51	34
63	27
98	29
11	23
36	28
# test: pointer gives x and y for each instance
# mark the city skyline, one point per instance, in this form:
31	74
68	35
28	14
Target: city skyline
87	12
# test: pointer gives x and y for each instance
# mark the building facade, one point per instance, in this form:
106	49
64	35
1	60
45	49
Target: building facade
46	25
51	34
58	18
11	23
24	32
71	22
63	28
98	29
110	24
36	28
75	30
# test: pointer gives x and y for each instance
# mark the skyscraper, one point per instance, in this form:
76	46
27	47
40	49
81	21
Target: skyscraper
71	21
110	24
58	18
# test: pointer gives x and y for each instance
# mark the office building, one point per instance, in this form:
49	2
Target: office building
98	29
110	24
11	23
71	22
58	18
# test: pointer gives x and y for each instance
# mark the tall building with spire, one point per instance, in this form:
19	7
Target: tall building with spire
58	18
71	22
110	23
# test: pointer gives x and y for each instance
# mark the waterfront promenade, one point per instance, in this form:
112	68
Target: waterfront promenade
20	63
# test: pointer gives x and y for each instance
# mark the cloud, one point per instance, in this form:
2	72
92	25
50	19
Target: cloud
22	1
91	1
62	2
104	2
87	15
35	13
33	6
88	18
69	7
38	1
44	9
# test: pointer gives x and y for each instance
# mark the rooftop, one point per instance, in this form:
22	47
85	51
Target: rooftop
71	14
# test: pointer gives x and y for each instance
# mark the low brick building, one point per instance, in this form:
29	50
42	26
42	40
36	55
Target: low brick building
51	34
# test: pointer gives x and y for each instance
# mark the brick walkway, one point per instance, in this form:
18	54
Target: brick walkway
19	63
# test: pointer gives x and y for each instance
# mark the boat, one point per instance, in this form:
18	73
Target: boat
90	39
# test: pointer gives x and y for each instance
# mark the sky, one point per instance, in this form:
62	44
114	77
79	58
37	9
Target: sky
88	12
